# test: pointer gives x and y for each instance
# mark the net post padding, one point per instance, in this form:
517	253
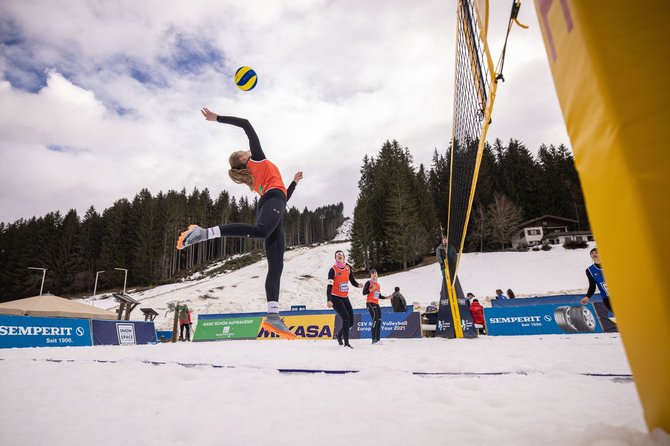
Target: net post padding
609	69
453	301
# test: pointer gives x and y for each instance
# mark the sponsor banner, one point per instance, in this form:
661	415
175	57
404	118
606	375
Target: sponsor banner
28	331
394	325
123	332
306	324
224	328
542	319
316	326
596	300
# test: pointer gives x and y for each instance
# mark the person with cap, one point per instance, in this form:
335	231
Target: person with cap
372	290
252	168
340	276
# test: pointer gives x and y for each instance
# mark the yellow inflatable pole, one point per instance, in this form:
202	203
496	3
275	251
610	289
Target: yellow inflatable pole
610	63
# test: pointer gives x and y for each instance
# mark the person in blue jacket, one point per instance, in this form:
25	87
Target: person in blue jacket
596	280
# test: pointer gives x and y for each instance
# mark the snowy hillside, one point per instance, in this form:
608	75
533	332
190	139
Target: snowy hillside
531	273
344	231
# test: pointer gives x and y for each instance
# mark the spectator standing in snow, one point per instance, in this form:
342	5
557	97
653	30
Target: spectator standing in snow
510	294
500	295
477	312
185	323
398	301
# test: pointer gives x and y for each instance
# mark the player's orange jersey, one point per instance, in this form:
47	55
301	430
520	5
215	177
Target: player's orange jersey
341	281
373	295
266	176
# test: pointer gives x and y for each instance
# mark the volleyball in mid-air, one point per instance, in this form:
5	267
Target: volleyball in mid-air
246	78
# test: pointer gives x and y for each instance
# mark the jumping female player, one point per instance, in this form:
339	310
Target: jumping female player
337	292
373	292
252	168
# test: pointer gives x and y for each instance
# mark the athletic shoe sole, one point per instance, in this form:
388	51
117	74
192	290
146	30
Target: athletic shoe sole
281	333
182	237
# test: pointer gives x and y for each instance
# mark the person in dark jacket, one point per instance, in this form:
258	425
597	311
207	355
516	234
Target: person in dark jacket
510	293
372	291
398	301
185	323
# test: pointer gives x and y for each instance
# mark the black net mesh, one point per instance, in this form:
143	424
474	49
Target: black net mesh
472	90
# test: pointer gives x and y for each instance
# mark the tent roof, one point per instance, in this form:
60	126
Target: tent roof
49	305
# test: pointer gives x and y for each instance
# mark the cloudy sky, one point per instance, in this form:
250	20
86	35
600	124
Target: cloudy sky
101	99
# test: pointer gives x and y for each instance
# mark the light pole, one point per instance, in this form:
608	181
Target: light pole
323	231
44	273
125	278
95	287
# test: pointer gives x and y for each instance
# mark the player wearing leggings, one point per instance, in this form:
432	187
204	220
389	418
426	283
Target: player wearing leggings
337	292
252	168
372	291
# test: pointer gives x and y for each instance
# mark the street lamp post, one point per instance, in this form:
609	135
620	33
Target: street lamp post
323	230
125	278
44	273
95	287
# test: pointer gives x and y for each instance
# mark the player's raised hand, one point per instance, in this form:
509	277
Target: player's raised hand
208	114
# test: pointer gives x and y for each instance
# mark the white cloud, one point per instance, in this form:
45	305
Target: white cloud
125	82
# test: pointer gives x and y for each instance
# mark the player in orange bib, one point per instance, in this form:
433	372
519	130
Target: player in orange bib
372	290
252	168
337	293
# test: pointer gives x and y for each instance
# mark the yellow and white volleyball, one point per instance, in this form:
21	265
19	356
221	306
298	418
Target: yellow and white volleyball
246	78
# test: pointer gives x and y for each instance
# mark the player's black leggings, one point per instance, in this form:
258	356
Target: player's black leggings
269	226
376	316
342	306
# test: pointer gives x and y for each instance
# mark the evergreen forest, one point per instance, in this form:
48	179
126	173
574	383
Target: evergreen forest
401	210
140	236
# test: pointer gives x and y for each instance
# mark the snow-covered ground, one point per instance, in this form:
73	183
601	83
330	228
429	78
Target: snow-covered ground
525	390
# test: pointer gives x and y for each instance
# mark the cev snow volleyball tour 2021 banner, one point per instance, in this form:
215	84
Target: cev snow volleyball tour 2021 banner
306	324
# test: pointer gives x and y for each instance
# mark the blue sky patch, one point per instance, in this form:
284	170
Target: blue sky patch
191	56
65	149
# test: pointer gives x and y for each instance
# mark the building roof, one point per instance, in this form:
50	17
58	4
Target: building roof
569	233
534	221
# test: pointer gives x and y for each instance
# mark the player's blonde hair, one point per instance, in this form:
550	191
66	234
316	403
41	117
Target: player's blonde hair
238	171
